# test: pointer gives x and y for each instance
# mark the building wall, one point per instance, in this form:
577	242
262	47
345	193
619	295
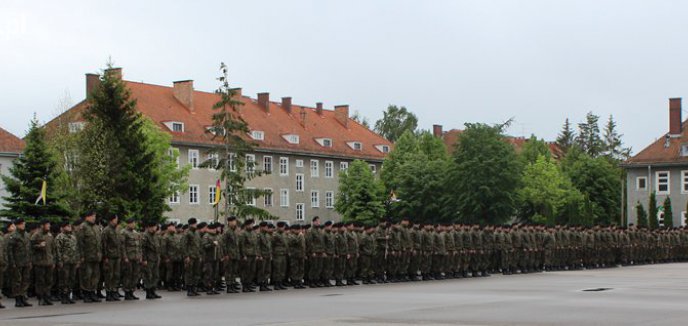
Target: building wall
205	178
5	164
677	191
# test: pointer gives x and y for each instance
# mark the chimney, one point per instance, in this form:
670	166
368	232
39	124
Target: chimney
437	131
264	101
319	108
286	104
303	117
115	72
341	113
183	91
237	92
92	81
675	116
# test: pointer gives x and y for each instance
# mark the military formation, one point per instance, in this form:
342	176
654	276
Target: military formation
81	260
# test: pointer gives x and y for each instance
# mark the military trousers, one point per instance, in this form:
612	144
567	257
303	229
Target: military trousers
90	275
131	273
279	268
296	269
339	267
151	274
262	268
192	271
231	270
328	267
111	273
210	273
43	277
19	278
414	264
3	269
315	267
174	270
248	270
351	267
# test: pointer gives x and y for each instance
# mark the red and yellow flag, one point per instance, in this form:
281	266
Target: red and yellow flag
218	192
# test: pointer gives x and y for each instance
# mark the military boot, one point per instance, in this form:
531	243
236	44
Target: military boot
190	291
18	302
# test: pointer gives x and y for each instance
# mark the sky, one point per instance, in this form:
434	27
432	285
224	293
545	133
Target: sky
449	62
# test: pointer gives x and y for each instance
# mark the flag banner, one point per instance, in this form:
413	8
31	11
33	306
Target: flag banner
42	195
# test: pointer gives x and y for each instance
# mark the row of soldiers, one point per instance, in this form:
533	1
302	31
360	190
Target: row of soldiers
78	260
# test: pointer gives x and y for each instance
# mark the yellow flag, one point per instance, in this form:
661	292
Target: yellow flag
218	192
43	194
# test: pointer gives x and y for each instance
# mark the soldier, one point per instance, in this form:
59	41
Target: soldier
90	243
3	260
43	262
439	253
352	261
230	248
330	255
112	251
150	247
191	244
279	256
132	260
67	258
381	236
19	263
367	250
172	258
297	256
341	254
248	250
211	256
264	258
428	251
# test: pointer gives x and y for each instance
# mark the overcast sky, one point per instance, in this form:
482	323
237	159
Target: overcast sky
450	62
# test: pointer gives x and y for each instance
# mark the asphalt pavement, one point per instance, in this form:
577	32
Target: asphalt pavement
639	295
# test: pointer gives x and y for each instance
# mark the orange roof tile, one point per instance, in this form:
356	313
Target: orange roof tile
659	153
451	137
10	143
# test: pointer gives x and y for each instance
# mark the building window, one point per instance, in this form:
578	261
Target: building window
213	160
373	168
232	162
343	166
315	168
329	168
299	182
284	197
382	148
193	194
177	127
251	200
292	139
212	190
75	127
257	135
683	218
174	198
684	150
267	198
284	166
173	152
663	182
641	183
267	164
327	142
684	182
315	198
193	158
250	163
329	199
299	163
355	145
300	212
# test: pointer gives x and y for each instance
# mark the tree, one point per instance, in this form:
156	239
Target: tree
395	121
481	185
229	128
598	180
612	144
668	214
25	182
546	193
589	135
361	196
566	138
404	148
360	119
642	215
533	149
652	212
117	165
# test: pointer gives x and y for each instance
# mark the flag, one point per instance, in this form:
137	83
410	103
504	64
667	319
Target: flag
42	195
393	196
218	192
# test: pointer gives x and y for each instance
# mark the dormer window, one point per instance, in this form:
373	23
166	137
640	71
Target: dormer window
355	145
291	138
214	130
324	142
382	148
257	135
175	126
75	127
684	150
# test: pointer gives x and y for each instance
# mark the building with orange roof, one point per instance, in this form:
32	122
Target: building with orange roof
661	167
11	147
303	147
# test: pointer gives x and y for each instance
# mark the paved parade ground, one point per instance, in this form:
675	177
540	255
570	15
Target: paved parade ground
643	295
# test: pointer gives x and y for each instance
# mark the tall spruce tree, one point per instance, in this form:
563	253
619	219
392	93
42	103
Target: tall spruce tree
652	211
230	155
116	164
25	182
641	214
668	214
612	143
567	137
589	139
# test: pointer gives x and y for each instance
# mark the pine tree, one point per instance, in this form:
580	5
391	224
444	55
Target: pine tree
612	144
652	212
668	214
24	184
642	215
231	159
566	138
589	135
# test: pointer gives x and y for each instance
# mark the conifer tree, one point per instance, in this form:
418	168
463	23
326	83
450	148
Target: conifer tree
566	138
652	212
642	215
668	214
